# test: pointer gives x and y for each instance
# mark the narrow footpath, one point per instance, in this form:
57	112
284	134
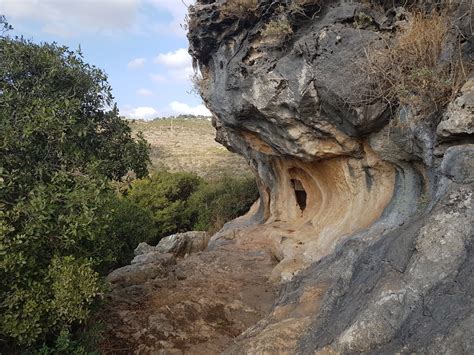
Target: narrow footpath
193	305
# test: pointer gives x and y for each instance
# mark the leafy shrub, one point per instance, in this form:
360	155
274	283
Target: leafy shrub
66	344
51	244
61	139
179	202
131	224
165	196
57	114
218	202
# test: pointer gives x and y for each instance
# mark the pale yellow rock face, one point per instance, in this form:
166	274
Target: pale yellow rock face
314	205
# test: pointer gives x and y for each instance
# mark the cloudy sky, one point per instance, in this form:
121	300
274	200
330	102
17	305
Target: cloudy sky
140	44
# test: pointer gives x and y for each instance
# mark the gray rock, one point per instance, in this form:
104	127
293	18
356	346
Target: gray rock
458	120
143	248
458	163
144	267
182	244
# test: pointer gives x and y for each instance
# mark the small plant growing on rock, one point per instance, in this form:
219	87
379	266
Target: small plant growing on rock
300	6
411	72
201	82
239	8
278	28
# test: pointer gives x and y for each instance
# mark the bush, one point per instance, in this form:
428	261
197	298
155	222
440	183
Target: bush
218	202
57	114
62	140
165	196
179	202
52	243
131	224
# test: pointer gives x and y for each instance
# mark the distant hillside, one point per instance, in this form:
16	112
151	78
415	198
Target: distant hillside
180	144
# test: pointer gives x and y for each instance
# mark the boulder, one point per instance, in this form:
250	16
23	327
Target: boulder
144	267
182	244
143	248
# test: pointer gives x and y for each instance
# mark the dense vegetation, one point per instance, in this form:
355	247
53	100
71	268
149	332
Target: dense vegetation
63	222
61	142
180	202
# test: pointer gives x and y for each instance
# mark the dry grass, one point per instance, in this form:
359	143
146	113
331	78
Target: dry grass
239	8
300	6
201	82
410	72
277	28
188	145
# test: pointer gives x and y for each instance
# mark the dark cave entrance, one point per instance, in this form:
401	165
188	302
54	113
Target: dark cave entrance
300	193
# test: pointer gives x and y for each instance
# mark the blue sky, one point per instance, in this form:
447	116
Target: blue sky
140	44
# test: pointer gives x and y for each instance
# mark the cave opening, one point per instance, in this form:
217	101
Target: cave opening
300	193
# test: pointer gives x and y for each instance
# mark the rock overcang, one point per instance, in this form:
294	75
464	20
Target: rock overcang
288	107
362	237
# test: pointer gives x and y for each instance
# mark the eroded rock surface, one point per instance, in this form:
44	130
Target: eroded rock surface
183	244
365	220
197	305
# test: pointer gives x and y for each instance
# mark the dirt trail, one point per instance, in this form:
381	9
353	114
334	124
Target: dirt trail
197	306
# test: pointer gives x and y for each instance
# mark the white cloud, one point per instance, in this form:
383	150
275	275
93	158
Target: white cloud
177	64
136	63
144	112
144	92
180	108
158	78
68	18
180	58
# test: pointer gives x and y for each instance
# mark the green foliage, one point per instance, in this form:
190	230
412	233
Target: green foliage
51	245
131	224
57	114
61	139
180	202
218	202
65	344
165	196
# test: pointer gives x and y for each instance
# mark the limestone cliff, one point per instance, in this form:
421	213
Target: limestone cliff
366	199
357	119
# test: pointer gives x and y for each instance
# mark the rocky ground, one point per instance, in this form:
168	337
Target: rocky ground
196	305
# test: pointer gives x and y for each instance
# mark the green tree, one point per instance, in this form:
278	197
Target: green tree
220	201
61	141
165	195
57	113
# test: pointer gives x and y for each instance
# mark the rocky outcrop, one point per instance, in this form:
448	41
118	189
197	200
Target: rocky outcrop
364	223
458	120
183	244
366	203
198	304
